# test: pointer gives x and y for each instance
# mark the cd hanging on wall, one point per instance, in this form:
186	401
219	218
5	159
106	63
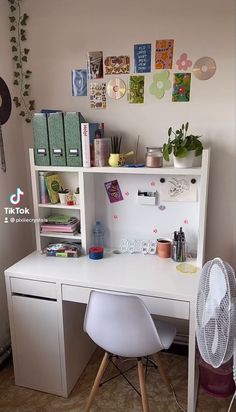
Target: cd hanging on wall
116	88
5	102
204	68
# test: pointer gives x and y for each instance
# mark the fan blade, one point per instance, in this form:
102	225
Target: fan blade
215	340
209	310
217	283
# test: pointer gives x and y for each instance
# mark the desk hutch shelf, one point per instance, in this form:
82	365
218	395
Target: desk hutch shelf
126	218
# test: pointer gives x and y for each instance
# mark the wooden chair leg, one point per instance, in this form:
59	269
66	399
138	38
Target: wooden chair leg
141	375
165	379
97	381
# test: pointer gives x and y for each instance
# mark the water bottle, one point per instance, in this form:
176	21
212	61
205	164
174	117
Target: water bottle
98	234
43	193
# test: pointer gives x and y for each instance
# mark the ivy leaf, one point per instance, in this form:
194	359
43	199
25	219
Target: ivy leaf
12	8
28	120
11	1
26	51
16	82
27	86
23	38
24	59
18	65
14	48
27	77
28	72
12	28
16	74
22	113
12	19
15	58
24	19
25	93
16	99
13	40
32	105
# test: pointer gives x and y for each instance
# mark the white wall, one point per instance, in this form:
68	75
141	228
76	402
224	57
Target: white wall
15	239
61	32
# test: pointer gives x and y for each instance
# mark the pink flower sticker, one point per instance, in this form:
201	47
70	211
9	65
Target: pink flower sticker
115	217
155	230
186	221
183	62
126	193
153	183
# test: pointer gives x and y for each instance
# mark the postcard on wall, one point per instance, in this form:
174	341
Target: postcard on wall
142	58
79	82
181	87
136	89
164	54
98	96
178	190
117	65
113	191
95	65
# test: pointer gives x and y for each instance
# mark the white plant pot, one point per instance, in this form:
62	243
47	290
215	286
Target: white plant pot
184	162
77	198
63	198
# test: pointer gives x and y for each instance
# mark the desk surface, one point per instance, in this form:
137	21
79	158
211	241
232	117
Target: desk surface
148	275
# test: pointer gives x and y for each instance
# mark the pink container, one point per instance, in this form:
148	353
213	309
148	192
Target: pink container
217	382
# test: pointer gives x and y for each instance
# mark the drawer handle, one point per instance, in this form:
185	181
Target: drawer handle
33	296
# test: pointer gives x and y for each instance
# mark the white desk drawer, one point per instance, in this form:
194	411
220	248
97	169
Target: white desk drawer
75	293
33	288
166	307
156	306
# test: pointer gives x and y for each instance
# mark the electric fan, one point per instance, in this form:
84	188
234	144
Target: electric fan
216	313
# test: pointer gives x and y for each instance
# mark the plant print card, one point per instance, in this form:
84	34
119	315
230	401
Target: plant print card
95	65
117	65
98	96
136	89
164	54
181	87
142	58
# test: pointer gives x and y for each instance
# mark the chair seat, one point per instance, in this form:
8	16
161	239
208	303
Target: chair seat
166	332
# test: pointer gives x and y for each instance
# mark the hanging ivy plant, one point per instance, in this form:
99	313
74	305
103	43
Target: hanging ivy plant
18	22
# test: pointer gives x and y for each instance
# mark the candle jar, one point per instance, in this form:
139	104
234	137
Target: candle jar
154	157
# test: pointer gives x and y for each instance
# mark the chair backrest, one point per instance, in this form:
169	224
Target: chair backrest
121	324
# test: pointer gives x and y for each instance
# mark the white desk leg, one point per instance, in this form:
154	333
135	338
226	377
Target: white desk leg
192	375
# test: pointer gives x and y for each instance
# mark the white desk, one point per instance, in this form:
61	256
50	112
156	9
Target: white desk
46	326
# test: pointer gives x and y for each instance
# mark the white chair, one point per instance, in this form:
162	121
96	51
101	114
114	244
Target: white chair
122	326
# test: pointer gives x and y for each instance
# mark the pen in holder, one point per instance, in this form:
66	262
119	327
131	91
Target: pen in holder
179	246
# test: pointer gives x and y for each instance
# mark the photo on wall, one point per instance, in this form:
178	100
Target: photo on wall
95	65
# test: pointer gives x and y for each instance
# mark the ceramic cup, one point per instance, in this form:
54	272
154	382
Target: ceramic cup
164	248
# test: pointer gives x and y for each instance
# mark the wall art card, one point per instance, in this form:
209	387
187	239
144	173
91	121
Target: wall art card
95	65
117	65
79	82
142	58
181	87
98	96
164	54
113	191
178	190
136	89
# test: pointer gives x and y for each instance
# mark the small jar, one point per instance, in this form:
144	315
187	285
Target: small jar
154	157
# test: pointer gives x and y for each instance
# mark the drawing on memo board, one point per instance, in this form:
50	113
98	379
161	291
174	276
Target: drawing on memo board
178	190
113	191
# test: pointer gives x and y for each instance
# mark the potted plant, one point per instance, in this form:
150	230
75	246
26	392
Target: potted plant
63	195
184	147
77	196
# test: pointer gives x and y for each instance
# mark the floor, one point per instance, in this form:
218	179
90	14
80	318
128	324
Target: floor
114	396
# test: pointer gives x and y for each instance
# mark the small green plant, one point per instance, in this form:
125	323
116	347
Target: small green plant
77	191
182	143
62	190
